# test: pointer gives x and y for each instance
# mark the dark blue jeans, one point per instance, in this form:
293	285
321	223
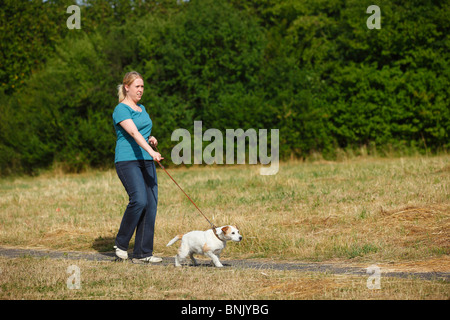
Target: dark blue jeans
139	179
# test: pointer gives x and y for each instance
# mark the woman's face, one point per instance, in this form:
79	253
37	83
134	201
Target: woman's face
135	90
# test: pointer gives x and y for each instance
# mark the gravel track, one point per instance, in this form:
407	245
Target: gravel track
250	264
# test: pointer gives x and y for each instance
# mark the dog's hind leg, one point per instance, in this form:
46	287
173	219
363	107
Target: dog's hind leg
183	252
177	261
179	258
191	255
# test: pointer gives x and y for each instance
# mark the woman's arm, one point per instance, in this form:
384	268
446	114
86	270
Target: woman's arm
132	130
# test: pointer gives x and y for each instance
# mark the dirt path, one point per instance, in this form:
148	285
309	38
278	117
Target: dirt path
334	268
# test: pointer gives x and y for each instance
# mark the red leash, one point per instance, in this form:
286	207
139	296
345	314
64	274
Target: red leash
162	167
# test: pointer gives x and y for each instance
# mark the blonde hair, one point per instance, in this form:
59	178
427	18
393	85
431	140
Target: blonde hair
127	80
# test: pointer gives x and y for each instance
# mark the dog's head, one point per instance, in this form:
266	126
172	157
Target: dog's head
231	233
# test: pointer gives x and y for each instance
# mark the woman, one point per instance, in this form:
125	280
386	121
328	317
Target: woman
136	169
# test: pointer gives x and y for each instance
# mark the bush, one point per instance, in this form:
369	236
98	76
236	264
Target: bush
311	69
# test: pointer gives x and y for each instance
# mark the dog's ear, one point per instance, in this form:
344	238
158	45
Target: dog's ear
225	229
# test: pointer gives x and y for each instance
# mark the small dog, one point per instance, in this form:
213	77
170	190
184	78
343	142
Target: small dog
206	243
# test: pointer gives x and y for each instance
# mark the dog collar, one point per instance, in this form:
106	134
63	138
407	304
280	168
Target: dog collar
215	233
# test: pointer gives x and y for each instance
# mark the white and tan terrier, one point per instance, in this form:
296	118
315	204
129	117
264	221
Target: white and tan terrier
207	242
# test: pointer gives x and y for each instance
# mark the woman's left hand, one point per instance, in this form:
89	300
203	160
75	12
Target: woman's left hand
152	141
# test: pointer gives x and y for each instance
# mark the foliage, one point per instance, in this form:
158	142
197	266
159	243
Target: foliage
29	32
311	69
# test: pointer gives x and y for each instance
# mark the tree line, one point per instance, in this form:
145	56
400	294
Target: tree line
310	68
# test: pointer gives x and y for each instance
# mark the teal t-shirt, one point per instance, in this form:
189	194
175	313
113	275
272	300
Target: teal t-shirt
126	147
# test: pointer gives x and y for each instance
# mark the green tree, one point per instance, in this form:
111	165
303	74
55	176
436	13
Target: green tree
29	32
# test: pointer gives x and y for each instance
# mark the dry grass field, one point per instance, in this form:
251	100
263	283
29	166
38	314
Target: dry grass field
394	213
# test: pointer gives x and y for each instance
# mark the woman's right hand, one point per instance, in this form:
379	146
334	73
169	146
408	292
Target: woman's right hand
157	156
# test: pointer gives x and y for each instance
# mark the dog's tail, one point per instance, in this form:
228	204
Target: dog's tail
171	242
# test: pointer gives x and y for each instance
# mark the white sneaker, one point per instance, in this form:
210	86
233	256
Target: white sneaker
150	259
122	254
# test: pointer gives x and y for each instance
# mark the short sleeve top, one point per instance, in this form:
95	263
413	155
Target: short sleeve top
127	148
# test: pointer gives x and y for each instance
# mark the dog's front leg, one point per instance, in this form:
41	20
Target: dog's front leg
214	259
